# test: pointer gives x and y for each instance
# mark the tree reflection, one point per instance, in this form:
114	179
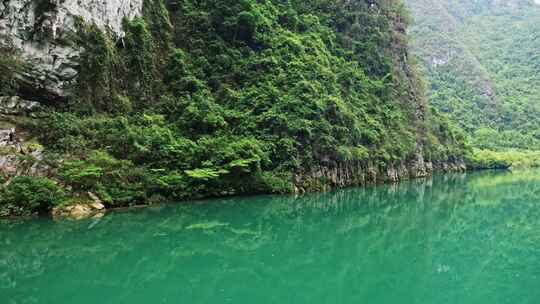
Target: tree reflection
381	243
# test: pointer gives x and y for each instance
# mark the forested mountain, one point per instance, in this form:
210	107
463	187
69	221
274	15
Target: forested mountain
220	97
482	62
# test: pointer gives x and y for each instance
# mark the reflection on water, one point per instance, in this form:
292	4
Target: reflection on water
460	238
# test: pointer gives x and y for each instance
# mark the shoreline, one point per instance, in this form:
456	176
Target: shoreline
201	200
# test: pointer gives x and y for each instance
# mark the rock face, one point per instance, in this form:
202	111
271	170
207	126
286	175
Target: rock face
355	174
14	105
18	157
41	30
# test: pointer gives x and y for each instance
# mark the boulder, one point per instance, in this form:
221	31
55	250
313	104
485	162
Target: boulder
79	211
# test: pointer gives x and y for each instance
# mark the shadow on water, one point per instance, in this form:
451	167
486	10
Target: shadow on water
457	238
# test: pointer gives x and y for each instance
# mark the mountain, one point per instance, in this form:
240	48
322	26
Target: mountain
482	63
140	101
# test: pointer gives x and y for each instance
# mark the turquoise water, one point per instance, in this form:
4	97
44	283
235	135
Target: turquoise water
471	238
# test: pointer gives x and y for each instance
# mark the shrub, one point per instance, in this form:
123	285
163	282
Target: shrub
513	159
274	182
27	195
116	182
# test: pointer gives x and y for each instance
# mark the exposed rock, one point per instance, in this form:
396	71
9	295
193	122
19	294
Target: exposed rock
418	167
79	211
7	137
42	31
97	204
12	162
12	165
14	105
93	209
8	166
354	174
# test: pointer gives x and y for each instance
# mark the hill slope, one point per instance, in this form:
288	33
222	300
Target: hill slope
483	66
211	98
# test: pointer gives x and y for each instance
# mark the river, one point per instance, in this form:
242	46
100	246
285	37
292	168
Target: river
457	238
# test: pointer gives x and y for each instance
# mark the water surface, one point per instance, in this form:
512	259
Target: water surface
467	238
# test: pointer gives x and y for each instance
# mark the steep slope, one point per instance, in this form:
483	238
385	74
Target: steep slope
212	98
483	66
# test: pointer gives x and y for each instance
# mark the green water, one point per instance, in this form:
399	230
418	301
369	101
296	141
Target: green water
471	238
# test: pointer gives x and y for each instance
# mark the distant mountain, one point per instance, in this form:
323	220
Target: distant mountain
482	62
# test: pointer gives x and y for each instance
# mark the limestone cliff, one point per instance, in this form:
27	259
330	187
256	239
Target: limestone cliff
212	98
41	31
356	174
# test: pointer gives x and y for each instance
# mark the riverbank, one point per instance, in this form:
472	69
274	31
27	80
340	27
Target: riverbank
26	195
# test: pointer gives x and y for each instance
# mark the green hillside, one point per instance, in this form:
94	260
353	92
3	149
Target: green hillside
482	61
213	98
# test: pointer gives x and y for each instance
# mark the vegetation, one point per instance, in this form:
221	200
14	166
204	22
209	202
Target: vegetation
213	98
510	159
481	59
29	195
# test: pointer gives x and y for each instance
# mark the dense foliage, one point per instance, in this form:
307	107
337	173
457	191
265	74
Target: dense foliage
509	159
30	195
210	98
483	67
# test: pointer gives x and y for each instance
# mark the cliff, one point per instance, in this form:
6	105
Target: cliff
42	31
143	101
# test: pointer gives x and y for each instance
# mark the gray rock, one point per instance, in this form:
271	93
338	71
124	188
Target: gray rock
14	105
8	165
361	173
12	148
41	31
